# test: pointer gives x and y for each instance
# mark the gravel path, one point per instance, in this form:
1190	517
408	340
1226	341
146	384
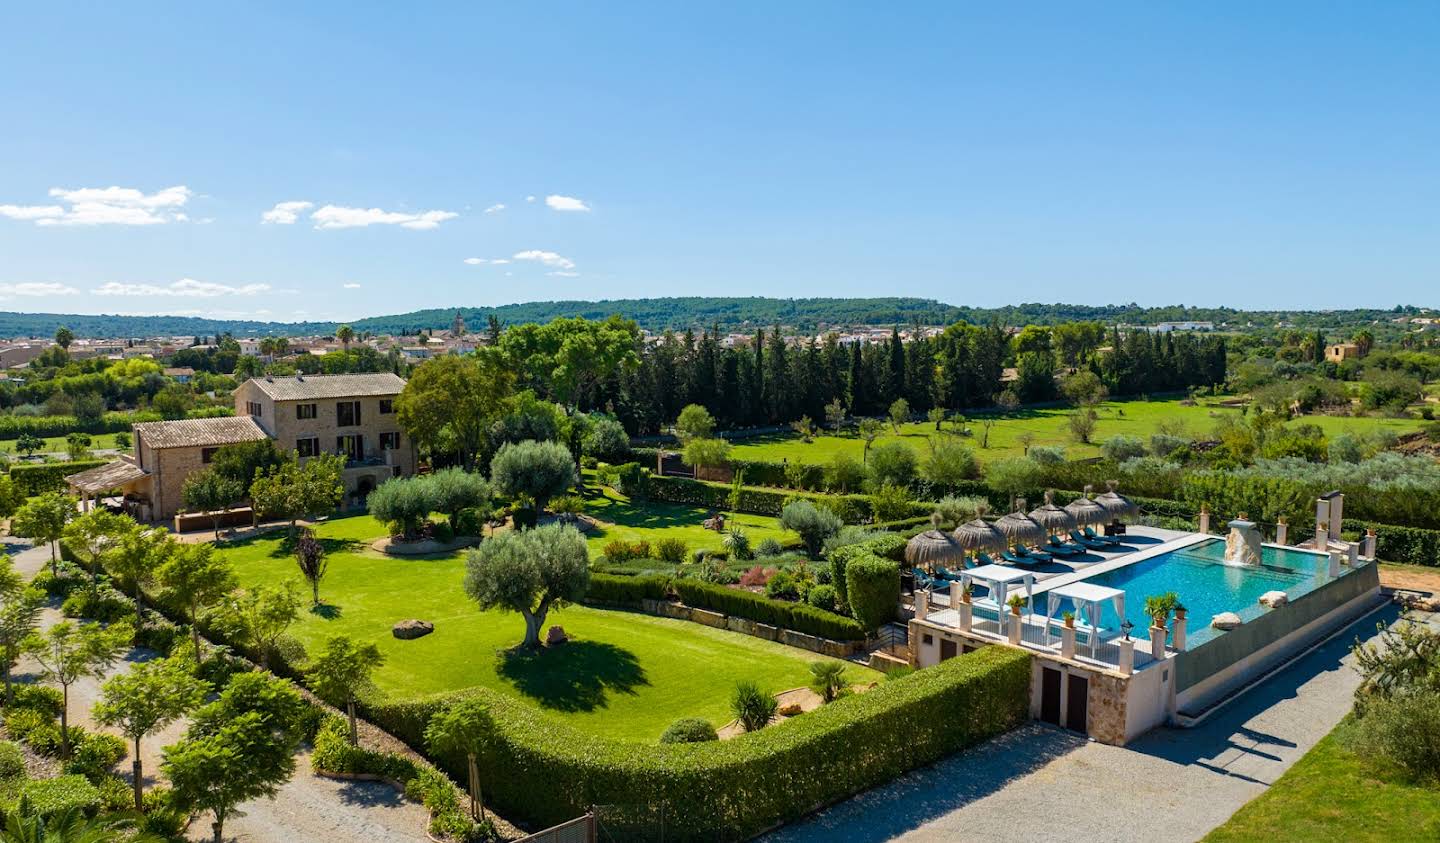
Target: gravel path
1047	784
307	808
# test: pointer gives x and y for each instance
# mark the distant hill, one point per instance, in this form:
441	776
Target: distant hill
657	314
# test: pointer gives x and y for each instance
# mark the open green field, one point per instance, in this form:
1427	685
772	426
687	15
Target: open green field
625	676
1331	794
1048	427
57	443
653	521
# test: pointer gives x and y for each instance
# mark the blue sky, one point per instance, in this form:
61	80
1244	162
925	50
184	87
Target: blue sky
1220	153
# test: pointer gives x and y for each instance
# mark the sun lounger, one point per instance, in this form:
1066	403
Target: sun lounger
1059	548
1080	539
1032	553
1094	536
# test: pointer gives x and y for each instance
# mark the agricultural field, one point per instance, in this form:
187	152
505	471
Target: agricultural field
621	519
1048	426
625	676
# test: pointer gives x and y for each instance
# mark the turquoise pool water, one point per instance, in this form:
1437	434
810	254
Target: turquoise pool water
1205	584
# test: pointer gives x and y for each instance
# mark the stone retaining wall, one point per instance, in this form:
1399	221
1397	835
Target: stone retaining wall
744	626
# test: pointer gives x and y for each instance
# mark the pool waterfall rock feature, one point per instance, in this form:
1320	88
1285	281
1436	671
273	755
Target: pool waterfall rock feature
1225	620
1274	599
1242	546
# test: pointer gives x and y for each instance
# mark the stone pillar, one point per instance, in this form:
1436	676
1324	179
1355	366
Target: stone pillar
1322	523
956	594
1127	656
1179	642
1337	514
1367	548
1157	642
1335	557
1282	531
1013	630
1205	518
1067	642
1352	553
922	605
965	610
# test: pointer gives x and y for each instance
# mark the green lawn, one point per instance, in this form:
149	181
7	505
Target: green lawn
1331	794
653	521
626	675
1048	426
57	443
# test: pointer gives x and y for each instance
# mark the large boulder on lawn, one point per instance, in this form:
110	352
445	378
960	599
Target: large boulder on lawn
407	630
555	635
1226	620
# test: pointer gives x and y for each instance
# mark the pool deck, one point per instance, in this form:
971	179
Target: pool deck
1047	784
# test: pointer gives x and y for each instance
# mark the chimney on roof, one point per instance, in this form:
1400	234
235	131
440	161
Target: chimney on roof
269	378
299	377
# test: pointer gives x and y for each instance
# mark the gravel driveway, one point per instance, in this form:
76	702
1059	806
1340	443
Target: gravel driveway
308	808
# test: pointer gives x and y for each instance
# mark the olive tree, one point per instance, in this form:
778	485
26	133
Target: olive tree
403	501
813	523
537	470
529	573
454	490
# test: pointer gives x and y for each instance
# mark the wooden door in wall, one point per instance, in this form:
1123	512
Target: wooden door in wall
1050	695
947	649
1077	703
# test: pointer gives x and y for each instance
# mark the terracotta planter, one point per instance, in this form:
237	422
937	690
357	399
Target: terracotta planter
1069	623
1181	614
1015	610
964	597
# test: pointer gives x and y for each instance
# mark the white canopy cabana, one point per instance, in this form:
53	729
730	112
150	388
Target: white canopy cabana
998	579
1089	599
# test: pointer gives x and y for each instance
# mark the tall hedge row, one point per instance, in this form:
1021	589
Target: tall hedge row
1411	545
851	508
36	478
800	617
627	591
544	771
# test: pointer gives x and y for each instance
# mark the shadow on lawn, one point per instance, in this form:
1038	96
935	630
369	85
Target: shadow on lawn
575	676
327	611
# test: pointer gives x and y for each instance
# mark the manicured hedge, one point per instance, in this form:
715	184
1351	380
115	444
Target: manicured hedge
542	770
800	617
629	591
35	478
851	508
1410	545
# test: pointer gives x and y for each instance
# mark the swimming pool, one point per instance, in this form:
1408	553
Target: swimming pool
1205	584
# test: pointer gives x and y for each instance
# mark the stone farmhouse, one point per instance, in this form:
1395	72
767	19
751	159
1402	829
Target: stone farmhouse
349	415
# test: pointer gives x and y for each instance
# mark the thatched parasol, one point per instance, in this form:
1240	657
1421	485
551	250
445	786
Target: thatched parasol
980	534
1021	528
1087	511
1117	504
1053	518
933	547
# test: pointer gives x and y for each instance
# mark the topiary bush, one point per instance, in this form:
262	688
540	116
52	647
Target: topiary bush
822	597
670	550
872	587
689	730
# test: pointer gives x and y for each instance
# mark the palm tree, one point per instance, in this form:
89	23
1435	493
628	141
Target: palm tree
345	334
70	826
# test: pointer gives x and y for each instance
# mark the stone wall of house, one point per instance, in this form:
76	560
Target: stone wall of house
281	420
168	469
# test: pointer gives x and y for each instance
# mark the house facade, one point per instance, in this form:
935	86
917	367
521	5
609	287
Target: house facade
349	415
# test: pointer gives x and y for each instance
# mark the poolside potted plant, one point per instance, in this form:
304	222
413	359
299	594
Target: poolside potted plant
1069	618
1180	611
1016	603
1159	607
966	590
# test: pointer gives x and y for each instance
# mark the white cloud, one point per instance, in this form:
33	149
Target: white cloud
31	212
36	288
105	206
491	261
351	286
548	258
187	287
564	274
335	216
565	203
285	213
529	198
476	261
496	208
